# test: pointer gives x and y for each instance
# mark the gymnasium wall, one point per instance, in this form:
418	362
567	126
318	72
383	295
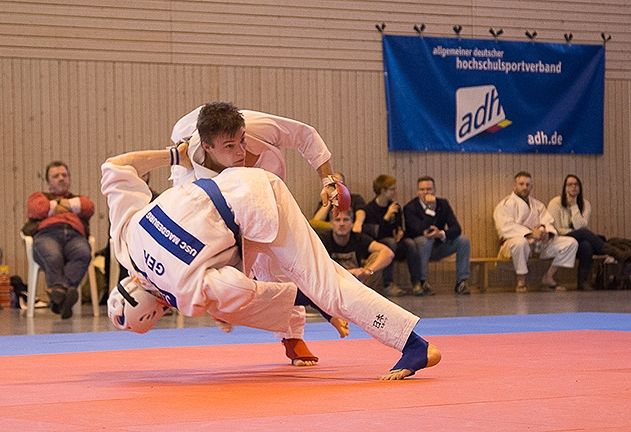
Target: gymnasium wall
81	82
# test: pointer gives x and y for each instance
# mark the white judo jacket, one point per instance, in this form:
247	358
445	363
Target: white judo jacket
514	218
265	135
181	247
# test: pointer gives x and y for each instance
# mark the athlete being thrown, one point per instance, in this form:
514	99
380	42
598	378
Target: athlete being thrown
206	215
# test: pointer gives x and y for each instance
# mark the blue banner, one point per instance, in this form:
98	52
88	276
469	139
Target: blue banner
471	95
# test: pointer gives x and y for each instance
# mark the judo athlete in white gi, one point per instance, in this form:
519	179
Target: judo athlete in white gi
524	225
182	248
265	135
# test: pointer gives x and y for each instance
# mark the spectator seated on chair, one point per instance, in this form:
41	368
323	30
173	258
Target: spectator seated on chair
525	226
432	224
358	253
30	302
571	214
59	224
384	223
322	218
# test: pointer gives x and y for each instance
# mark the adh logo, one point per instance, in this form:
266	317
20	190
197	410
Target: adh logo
478	109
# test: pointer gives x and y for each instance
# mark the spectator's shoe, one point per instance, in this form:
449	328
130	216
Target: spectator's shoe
23	302
417	289
40	304
422	289
585	286
461	288
393	290
66	307
57	297
427	289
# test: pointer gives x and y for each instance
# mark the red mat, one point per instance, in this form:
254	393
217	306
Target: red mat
561	381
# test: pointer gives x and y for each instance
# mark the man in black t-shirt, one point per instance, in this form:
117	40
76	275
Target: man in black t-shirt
358	253
384	223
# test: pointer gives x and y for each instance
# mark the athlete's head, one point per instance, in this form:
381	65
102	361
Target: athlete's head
218	118
130	307
221	129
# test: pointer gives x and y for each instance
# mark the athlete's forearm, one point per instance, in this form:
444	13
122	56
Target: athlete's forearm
325	169
144	161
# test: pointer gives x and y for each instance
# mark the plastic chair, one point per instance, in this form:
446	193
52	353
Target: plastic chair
33	274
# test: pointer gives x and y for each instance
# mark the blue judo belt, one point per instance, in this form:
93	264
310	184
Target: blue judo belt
210	187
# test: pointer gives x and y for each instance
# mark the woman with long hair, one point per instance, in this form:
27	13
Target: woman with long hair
571	212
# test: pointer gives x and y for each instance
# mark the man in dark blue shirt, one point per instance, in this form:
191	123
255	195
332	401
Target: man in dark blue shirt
433	226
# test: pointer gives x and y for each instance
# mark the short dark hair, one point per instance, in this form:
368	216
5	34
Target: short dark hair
426	178
218	118
384	181
55	164
522	174
349	212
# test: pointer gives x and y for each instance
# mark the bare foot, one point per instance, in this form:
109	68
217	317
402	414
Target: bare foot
298	352
300	363
521	288
224	326
341	326
396	375
433	358
548	281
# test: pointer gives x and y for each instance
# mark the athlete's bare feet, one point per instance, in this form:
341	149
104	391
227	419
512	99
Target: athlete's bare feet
301	363
296	350
433	358
341	326
224	326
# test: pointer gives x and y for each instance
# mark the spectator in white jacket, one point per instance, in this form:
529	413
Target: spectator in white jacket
571	213
525	226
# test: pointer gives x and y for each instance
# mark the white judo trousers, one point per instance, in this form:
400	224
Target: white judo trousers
302	257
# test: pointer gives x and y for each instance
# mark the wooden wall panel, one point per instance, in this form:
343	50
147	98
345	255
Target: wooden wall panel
81	83
82	112
297	34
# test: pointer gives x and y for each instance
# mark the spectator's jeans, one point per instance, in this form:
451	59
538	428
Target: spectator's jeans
404	249
428	249
63	253
588	245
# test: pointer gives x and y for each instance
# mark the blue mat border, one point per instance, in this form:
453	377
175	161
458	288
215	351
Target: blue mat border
164	338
